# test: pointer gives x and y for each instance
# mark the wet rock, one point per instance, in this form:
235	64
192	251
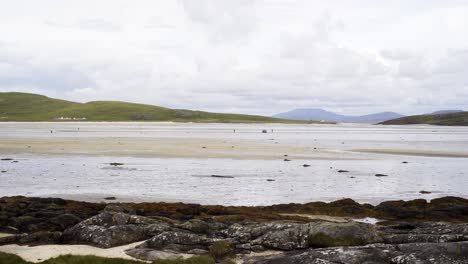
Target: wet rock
198	226
65	220
24	222
40	238
120	209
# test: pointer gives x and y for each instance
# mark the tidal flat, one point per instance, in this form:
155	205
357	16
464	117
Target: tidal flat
181	161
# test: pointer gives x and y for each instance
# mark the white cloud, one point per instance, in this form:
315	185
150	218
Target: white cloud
258	57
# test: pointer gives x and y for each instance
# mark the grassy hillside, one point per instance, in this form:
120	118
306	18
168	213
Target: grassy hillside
33	107
451	119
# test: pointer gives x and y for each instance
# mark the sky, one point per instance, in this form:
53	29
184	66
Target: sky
243	56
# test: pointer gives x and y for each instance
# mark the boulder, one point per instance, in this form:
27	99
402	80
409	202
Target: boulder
110	229
294	236
180	241
441	253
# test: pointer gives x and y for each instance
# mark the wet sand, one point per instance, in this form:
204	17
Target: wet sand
175	162
167	148
412	152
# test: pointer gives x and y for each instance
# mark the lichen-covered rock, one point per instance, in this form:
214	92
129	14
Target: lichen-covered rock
440	253
181	241
149	254
328	234
424	233
109	229
293	236
202	227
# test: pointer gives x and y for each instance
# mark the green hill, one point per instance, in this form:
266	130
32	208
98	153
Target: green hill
33	107
450	119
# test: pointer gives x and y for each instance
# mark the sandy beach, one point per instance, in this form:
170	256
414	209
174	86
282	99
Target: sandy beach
40	253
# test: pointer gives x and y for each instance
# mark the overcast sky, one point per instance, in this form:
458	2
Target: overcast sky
257	57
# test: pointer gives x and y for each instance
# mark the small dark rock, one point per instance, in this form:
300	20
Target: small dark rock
6	159
341	171
306	165
110	198
424	192
380	175
222	176
270	180
287	160
404	162
116	164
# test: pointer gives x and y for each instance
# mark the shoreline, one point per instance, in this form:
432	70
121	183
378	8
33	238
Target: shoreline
43	228
129	199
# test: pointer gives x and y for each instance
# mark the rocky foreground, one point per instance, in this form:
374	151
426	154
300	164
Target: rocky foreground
410	232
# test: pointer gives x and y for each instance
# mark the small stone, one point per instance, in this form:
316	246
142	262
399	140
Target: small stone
425	192
380	175
306	165
287	160
270	180
110	198
116	164
341	171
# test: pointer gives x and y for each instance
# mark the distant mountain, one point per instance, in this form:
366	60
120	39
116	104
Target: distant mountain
34	107
441	112
449	119
320	114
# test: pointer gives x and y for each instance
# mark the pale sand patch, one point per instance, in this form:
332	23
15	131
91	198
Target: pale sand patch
2	235
412	152
44	252
167	147
335	219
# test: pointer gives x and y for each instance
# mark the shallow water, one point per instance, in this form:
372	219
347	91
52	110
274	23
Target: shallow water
249	181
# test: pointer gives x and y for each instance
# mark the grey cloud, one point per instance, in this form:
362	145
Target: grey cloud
258	57
95	24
